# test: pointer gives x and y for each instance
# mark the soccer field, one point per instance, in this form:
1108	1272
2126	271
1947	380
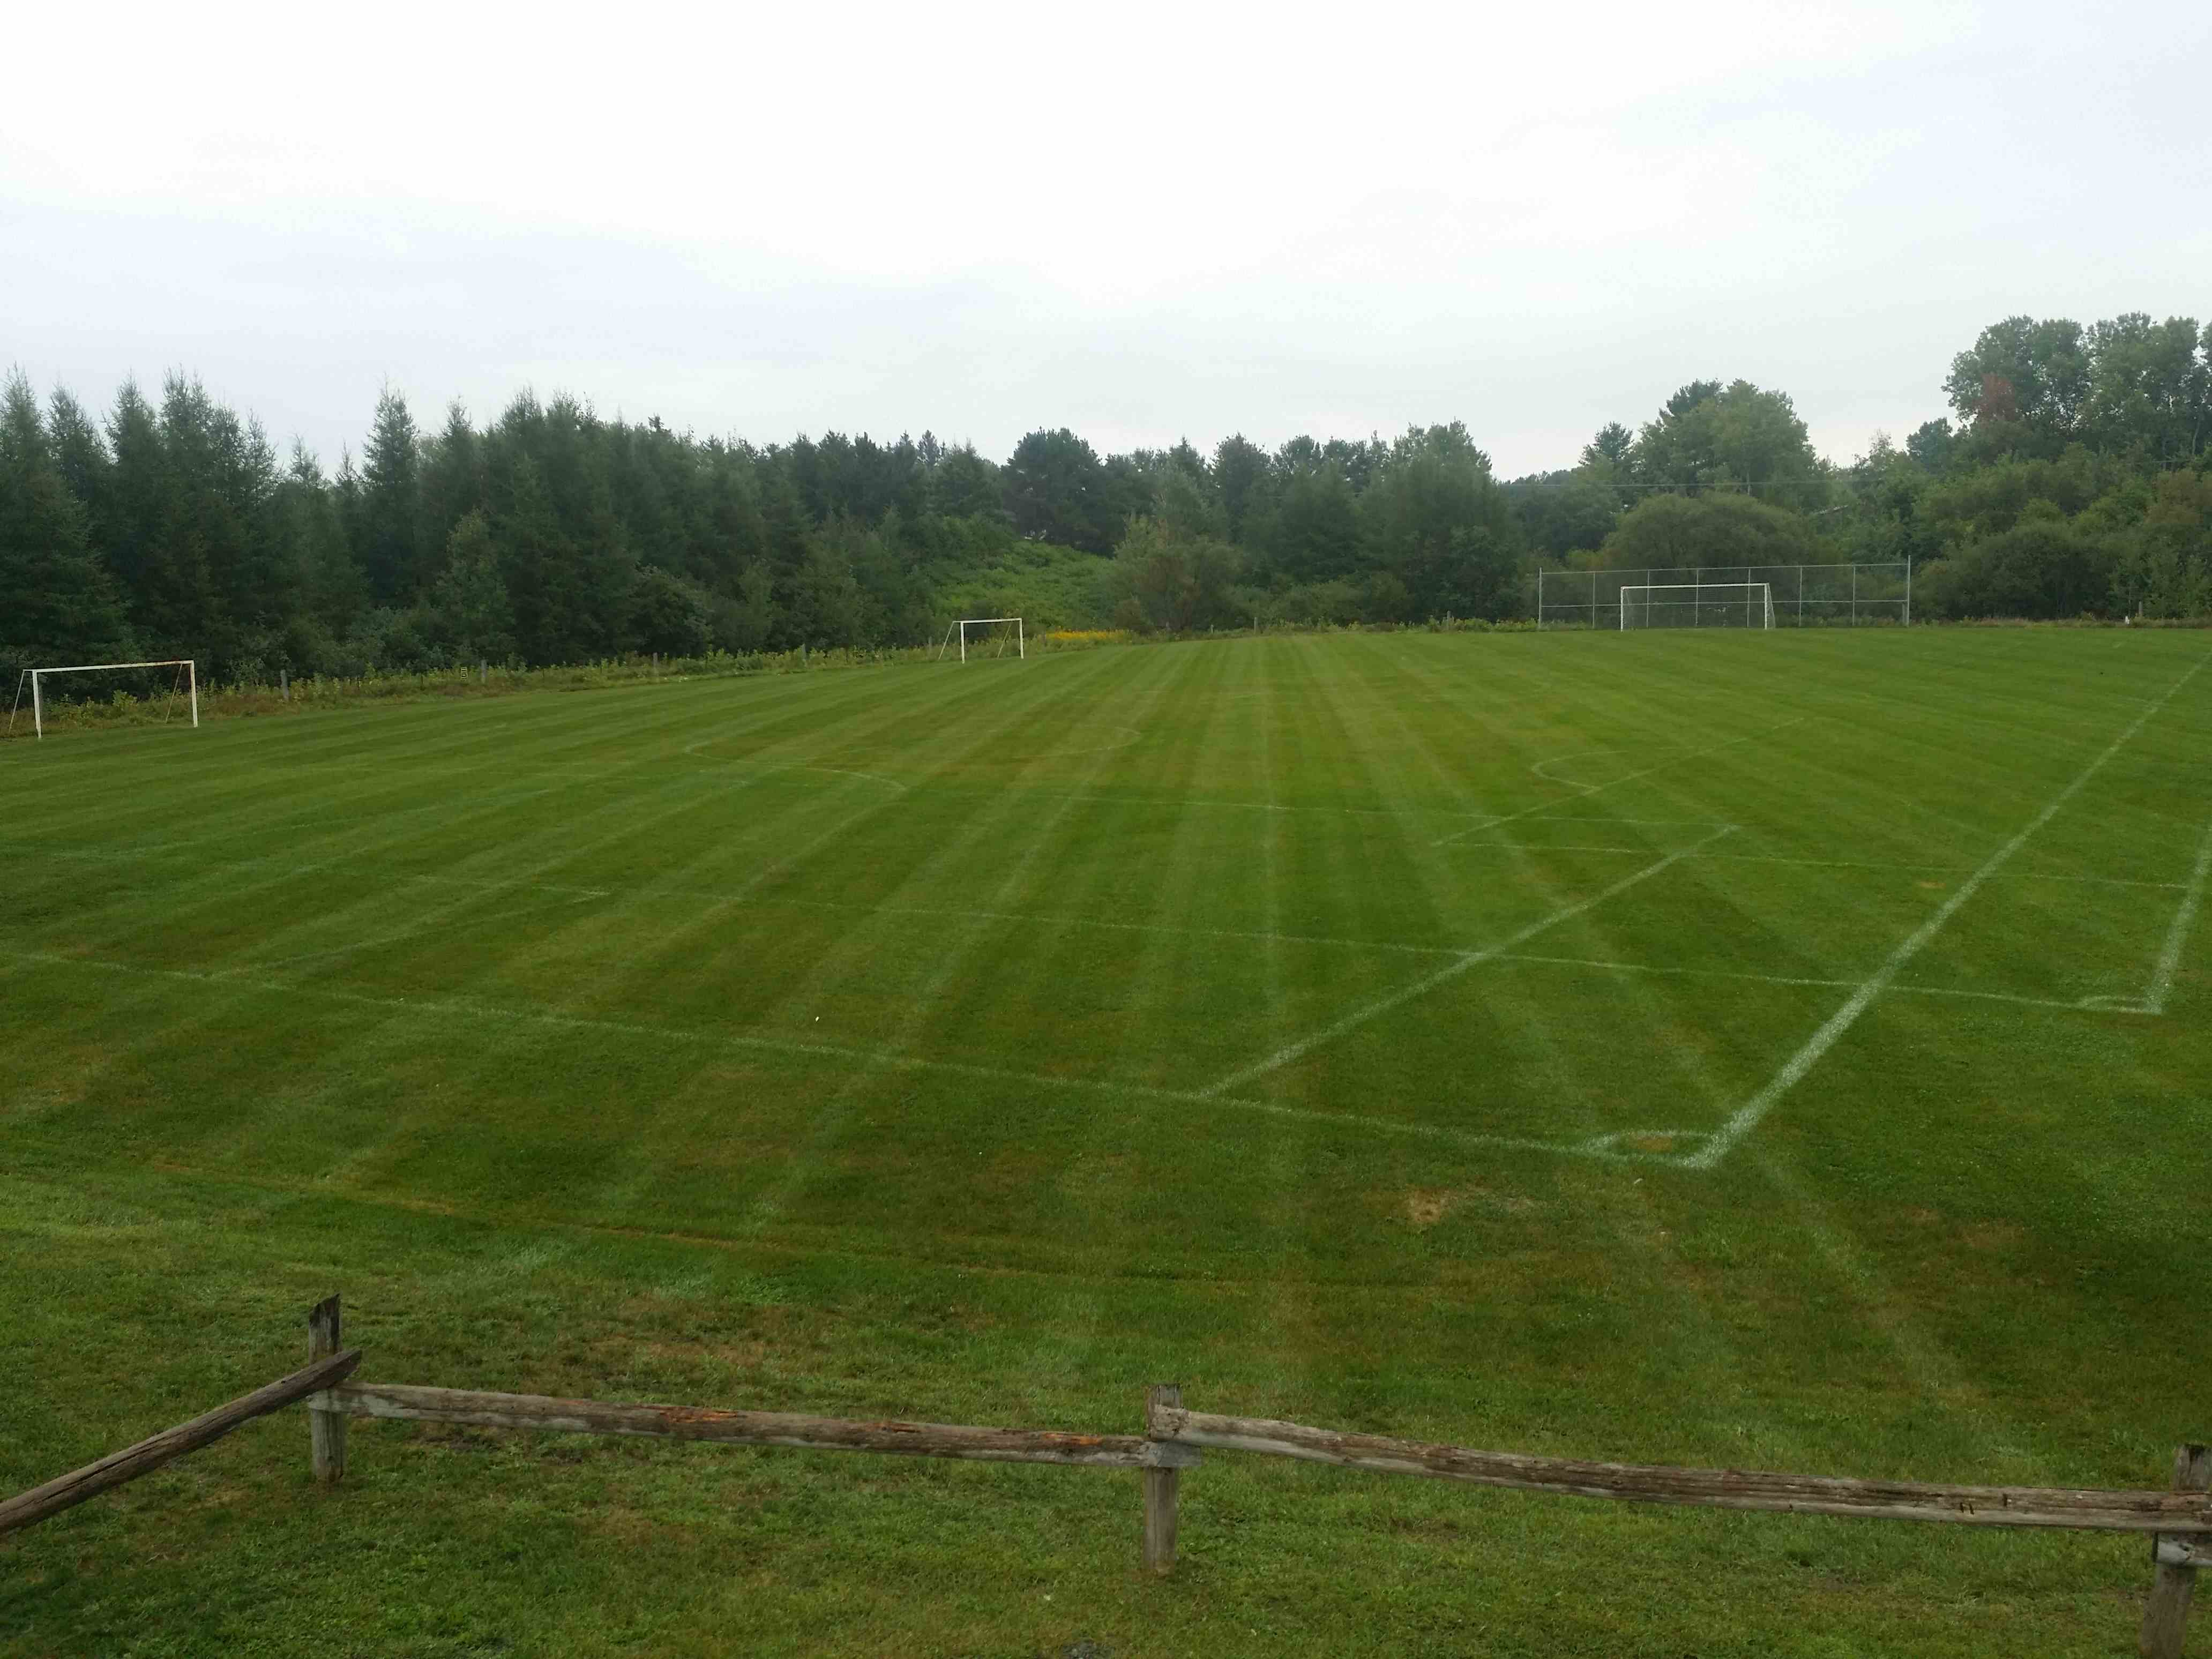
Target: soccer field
1778	1050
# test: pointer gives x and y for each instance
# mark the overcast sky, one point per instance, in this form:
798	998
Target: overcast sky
1142	222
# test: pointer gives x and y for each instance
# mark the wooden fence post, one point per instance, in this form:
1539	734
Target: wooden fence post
2165	1620
1160	1488
326	1425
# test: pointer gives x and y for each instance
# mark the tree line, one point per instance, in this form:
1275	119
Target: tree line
2072	476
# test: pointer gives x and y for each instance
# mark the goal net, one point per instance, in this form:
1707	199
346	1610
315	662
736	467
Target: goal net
174	684
987	636
1698	605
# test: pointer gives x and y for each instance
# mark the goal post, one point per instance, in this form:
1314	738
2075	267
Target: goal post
184	682
1020	636
1876	593
1698	605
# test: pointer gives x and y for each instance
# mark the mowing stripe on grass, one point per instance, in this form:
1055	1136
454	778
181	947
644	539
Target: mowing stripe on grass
1293	1052
579	894
1748	1116
803	1160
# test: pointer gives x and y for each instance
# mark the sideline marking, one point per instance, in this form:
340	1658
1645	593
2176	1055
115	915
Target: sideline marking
2184	916
1748	1116
874	1058
1358	1017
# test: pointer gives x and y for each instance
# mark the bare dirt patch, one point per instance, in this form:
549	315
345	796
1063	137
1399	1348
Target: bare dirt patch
1425	1206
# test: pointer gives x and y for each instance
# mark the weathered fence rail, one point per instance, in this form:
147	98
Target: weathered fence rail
65	1492
2082	1510
530	1411
2179	1520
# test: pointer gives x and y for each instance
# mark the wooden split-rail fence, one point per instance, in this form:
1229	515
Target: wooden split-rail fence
2178	1521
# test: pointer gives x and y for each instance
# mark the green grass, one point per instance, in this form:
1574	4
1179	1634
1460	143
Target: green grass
980	1045
1049	585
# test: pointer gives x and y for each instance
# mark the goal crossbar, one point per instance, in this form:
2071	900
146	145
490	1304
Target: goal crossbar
190	676
1021	635
1756	598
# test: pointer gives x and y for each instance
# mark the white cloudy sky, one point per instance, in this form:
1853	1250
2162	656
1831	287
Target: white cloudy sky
1143	221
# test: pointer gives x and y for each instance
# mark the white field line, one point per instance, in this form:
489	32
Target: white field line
1291	1052
1831	984
1673	760
1555	847
879	1059
1105	798
1748	1116
1938	870
577	894
1603	1148
2177	936
1588	817
178	849
438	918
1827	864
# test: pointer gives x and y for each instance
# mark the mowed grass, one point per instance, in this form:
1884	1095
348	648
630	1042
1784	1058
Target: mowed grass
1533	1042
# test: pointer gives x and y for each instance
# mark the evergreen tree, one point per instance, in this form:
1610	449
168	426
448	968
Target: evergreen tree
387	526
61	604
452	484
333	592
130	519
80	455
530	551
469	609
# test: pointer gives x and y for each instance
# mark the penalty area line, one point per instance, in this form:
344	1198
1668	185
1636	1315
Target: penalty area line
1748	1116
1826	984
1293	1052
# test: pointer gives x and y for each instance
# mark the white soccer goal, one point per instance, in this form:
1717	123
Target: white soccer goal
1877	595
186	682
1698	605
1018	638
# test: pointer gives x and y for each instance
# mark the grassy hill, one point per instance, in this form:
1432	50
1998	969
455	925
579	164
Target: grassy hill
1048	586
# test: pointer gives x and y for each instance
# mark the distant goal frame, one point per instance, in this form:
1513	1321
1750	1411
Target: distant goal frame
189	680
1755	595
962	626
1858	594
